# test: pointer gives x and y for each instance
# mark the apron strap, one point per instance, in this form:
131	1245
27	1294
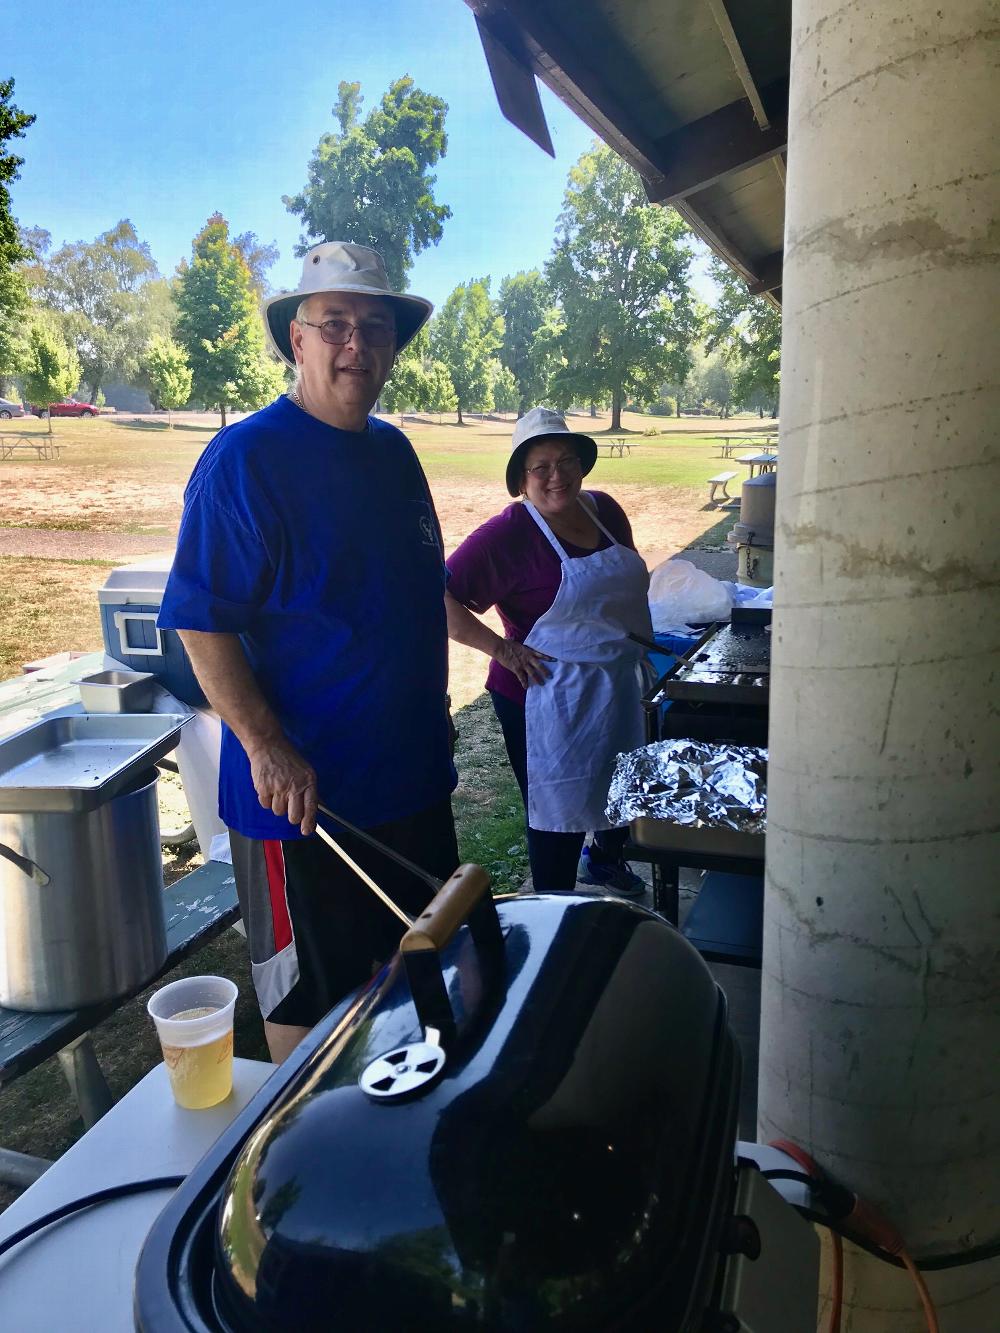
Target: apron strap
590	509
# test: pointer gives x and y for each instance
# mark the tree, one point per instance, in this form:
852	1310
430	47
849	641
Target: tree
441	395
258	257
747	331
620	272
466	337
13	294
219	327
370	183
51	368
169	375
506	395
525	304
97	289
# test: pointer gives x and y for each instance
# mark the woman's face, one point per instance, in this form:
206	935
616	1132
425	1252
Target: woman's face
552	476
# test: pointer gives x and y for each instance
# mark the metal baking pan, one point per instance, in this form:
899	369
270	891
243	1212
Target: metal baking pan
79	761
118	691
664	835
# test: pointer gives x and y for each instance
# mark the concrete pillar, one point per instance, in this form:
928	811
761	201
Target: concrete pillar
880	1026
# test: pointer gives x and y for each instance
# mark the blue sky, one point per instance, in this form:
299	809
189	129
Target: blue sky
167	112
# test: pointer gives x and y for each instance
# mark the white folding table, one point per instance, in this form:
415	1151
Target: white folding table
76	1276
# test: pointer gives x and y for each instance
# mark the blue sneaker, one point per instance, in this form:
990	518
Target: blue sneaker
615	876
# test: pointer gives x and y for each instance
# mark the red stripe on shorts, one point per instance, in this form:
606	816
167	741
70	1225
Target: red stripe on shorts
281	922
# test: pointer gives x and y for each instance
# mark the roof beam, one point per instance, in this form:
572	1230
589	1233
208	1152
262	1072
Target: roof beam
722	142
725	25
768	277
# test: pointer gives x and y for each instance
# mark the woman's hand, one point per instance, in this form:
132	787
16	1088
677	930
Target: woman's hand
527	664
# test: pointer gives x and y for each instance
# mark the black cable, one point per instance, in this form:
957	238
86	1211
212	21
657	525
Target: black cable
977	1255
88	1201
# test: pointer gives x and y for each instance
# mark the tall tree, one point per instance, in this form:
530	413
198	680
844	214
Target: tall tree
258	256
13	294
506	395
219	326
51	368
524	302
97	288
620	272
370	183
747	332
169	375
466	337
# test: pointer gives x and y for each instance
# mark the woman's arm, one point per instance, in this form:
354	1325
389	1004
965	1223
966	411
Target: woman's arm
464	627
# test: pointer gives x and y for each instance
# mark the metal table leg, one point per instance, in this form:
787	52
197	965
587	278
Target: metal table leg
86	1079
666	889
20	1169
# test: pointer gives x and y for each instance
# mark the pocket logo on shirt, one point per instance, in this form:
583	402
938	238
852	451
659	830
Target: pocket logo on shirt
428	532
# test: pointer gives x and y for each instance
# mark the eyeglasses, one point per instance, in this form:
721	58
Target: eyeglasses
565	466
337	332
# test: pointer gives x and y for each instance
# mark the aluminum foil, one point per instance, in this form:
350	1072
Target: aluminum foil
696	783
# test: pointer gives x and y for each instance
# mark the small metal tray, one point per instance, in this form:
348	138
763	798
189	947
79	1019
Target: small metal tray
78	761
117	691
664	835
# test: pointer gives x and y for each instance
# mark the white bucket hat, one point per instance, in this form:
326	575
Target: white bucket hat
542	423
339	266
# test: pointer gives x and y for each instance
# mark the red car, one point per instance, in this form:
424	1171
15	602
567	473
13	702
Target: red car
69	407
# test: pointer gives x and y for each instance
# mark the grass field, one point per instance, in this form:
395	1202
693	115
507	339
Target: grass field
115	494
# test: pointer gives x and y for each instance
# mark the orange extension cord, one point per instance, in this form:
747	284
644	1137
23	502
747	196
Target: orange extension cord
873	1227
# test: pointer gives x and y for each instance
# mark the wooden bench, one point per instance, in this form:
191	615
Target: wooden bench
198	907
42	448
722	479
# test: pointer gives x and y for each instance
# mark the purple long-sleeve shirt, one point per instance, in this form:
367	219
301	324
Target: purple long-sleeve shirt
509	564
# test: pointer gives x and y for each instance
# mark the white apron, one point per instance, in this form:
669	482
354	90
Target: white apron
589	707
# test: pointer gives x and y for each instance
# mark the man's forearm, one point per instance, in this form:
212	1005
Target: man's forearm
224	674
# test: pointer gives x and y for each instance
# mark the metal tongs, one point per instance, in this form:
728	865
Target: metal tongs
411	866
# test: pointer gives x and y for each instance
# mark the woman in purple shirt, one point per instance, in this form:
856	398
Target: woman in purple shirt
562	570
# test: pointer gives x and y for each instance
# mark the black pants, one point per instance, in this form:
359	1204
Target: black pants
315	931
553	857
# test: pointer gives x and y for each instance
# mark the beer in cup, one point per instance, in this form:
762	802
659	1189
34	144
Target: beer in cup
194	1021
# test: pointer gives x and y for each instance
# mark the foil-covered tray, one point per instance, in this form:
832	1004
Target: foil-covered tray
78	761
679	790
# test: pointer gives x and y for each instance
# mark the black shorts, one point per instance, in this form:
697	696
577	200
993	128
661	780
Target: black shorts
315	931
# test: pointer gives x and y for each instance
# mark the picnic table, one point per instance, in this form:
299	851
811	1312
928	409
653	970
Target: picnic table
616	445
731	442
763	462
41	445
198	908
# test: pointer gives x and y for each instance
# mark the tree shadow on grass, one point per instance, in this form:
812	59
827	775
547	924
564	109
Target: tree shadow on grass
156	426
716	533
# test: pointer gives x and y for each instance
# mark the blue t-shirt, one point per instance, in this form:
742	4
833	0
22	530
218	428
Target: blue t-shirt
321	549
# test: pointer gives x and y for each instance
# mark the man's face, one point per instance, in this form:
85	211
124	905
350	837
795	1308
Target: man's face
346	378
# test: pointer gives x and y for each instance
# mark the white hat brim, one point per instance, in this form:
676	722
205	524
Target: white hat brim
412	313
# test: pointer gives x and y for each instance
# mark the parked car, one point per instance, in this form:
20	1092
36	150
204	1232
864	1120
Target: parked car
69	407
9	409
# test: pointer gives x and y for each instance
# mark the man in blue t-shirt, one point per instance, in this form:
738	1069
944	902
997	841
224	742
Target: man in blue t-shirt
308	590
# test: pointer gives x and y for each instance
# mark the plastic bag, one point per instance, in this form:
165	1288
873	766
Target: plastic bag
681	594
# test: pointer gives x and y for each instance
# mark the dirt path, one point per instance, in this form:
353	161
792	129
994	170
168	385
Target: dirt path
62	544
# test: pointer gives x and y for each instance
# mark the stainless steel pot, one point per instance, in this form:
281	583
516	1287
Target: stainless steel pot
81	902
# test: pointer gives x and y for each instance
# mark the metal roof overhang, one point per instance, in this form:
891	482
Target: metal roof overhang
693	93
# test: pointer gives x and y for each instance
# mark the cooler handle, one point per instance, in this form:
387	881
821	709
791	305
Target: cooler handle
121	620
464	899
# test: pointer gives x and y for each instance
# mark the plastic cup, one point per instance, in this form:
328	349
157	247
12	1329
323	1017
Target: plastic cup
194	1021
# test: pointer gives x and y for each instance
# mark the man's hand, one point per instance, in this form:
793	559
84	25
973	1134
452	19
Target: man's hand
527	664
285	783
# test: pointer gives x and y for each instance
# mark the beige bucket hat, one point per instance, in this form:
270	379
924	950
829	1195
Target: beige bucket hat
542	423
340	266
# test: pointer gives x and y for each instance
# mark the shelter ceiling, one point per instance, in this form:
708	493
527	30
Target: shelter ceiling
693	93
